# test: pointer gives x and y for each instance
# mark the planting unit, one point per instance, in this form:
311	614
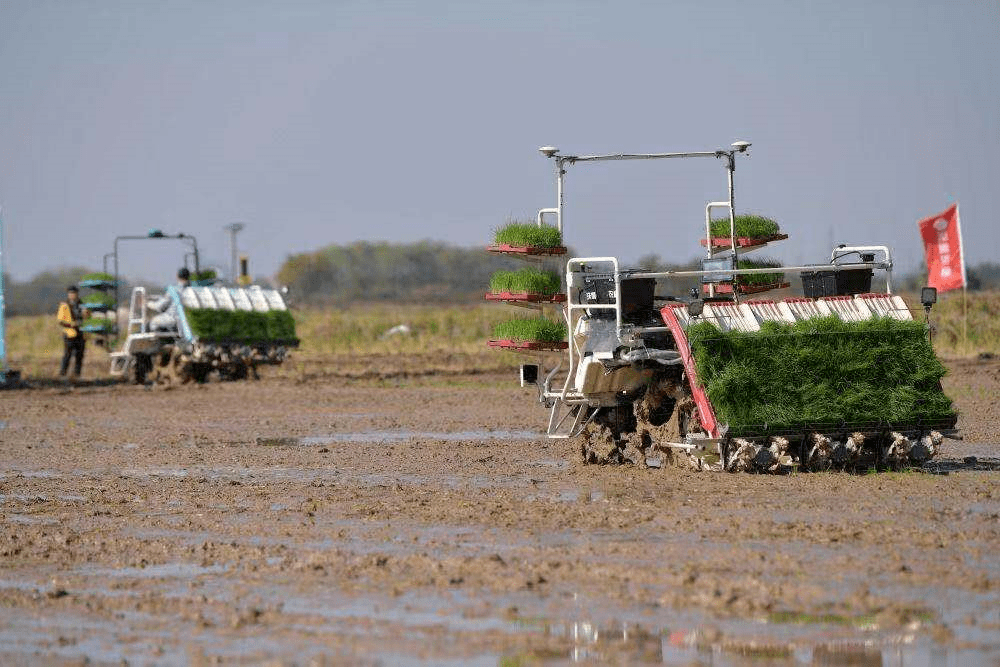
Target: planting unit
231	330
838	378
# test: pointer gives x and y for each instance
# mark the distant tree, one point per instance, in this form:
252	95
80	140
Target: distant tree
42	293
382	271
982	276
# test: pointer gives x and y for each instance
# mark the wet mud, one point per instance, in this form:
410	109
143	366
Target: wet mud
423	519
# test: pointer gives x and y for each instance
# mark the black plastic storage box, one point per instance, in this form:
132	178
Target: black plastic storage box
598	289
836	283
636	296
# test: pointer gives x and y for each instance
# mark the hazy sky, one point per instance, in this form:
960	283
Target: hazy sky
329	122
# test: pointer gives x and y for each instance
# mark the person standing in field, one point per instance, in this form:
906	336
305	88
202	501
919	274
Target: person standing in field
70	315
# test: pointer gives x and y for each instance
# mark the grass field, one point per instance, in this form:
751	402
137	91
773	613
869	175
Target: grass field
34	343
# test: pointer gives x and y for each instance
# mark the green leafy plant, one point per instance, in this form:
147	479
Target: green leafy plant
533	328
525	280
207	274
528	234
753	226
106	277
241	326
821	371
759	278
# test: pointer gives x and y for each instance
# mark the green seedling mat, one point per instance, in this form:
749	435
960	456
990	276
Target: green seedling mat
821	371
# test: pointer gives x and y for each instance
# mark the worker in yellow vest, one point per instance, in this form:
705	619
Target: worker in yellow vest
71	314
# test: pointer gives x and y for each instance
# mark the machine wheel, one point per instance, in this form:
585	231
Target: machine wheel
199	372
606	439
139	367
175	367
237	370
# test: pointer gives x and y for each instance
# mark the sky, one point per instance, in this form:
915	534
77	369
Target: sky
317	123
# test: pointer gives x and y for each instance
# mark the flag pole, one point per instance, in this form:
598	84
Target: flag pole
965	319
965	285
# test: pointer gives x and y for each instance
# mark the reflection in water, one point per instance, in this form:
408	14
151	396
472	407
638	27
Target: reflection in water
634	644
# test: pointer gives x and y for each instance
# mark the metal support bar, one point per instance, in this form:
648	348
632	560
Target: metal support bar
639	156
3	326
772	269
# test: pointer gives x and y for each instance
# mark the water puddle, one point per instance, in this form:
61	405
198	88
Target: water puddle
28	520
969	463
161	571
404	435
556	628
31	474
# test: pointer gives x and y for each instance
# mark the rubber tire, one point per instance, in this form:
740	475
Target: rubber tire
139	368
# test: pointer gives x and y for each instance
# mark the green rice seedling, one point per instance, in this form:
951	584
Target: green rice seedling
241	326
759	278
280	325
753	226
207	274
98	276
527	234
821	371
529	280
533	328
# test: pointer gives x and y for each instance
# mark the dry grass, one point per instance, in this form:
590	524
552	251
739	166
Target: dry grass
34	343
982	333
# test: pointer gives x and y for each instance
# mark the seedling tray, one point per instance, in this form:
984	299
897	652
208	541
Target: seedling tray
525	297
727	288
527	345
504	249
98	284
98	307
97	328
745	242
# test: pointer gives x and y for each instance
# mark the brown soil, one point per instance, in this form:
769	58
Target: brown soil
395	518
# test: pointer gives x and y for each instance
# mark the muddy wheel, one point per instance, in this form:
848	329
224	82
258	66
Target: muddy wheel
175	368
139	367
234	371
598	445
199	372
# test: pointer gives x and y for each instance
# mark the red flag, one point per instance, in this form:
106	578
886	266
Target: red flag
942	234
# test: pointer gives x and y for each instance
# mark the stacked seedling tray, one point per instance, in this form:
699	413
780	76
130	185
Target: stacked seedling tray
529	284
527	239
531	287
99	300
753	232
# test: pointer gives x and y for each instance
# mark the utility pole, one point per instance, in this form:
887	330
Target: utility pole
233	229
3	330
8	377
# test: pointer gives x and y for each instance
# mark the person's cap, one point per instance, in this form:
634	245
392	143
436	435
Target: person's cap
184	274
72	288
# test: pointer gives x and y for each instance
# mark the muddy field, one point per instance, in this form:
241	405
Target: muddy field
335	516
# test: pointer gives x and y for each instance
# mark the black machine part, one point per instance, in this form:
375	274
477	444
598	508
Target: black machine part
636	293
836	283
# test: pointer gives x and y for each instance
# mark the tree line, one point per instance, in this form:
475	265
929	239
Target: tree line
427	271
